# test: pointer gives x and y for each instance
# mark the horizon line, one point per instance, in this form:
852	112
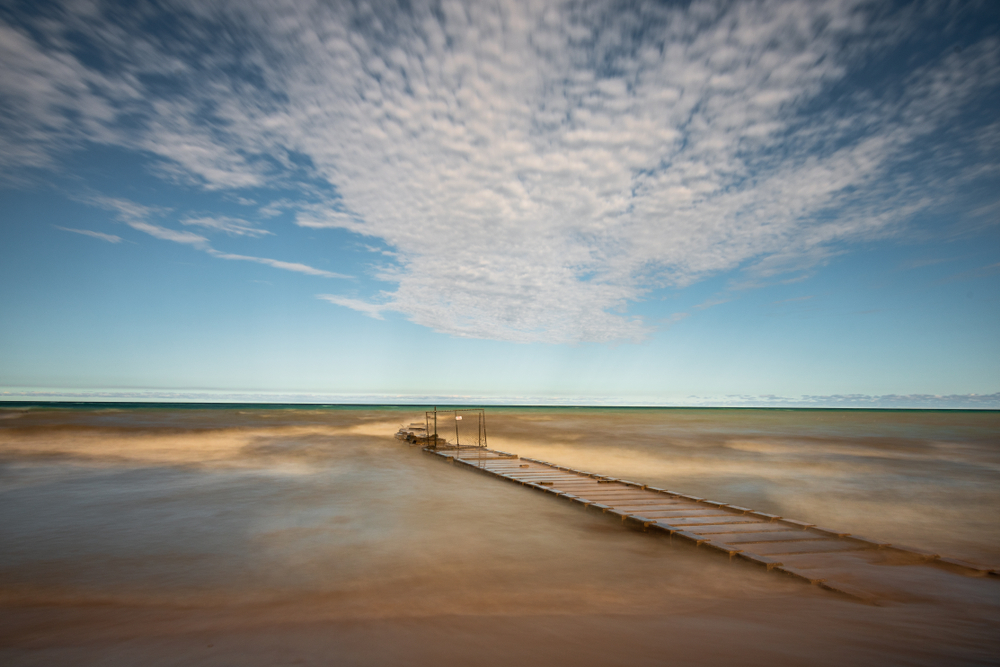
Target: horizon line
195	404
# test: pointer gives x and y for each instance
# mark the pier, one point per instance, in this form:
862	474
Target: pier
865	569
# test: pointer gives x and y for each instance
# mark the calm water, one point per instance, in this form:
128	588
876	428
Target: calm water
249	536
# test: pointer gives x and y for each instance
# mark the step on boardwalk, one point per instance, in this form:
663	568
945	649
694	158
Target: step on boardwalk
835	560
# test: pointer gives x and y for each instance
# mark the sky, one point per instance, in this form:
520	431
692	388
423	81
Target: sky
642	203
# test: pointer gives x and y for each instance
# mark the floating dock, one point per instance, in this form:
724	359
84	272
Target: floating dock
835	560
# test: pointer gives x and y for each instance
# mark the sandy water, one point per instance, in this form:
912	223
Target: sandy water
250	536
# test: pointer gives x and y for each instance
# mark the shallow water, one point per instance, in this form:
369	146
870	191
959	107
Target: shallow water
145	534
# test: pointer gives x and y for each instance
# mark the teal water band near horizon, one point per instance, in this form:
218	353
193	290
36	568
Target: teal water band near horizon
201	405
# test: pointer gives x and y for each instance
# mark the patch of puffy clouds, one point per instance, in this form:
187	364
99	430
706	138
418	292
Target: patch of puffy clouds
535	166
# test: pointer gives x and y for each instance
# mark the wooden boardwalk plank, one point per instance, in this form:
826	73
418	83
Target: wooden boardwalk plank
759	527
654	500
719	520
771	536
825	545
679	512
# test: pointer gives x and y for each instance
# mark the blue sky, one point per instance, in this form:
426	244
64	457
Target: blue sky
697	203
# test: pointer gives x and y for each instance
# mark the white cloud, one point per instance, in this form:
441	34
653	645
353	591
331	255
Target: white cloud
110	238
168	234
134	215
278	264
231	226
319	217
535	166
369	309
124	209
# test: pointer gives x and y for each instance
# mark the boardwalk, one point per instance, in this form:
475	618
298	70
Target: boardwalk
835	560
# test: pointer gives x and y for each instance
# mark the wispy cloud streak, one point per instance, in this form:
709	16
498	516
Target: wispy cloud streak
278	264
370	309
231	226
110	238
134	215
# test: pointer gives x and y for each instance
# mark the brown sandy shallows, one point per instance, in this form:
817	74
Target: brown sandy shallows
931	479
312	537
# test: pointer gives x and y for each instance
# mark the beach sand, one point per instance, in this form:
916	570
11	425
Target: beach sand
262	537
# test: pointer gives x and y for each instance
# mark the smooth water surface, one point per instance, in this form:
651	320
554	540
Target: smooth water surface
242	535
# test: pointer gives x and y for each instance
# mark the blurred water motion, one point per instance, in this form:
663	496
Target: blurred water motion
319	515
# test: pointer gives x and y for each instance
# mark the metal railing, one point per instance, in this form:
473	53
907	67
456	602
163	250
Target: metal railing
459	416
